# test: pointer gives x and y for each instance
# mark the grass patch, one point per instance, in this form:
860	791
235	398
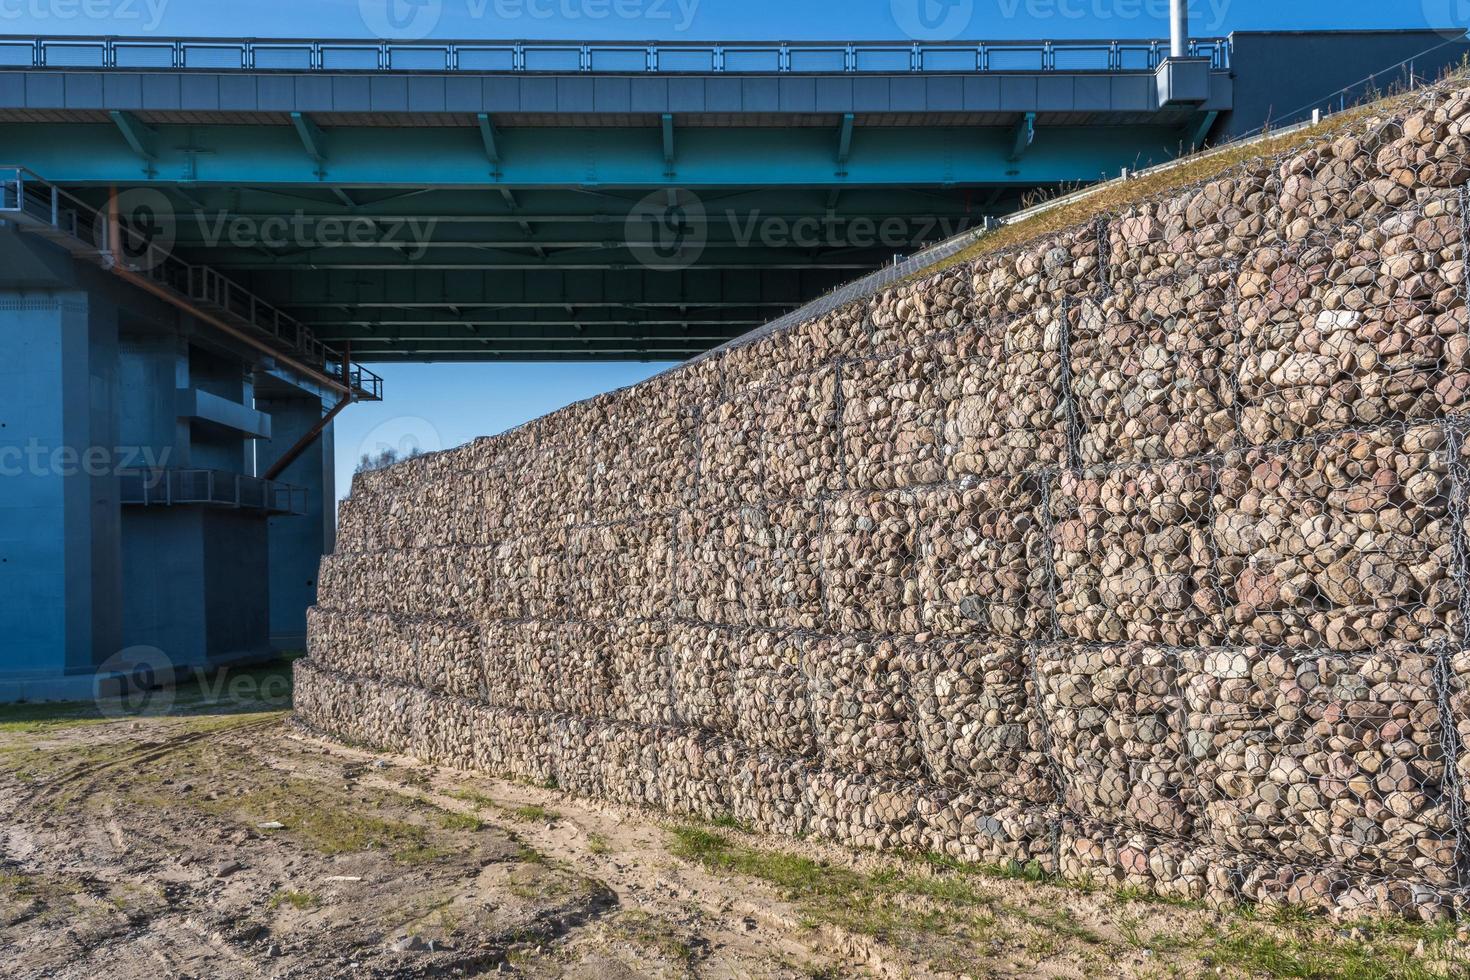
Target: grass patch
475	799
295	899
325	825
597	844
651	932
264	687
460	821
534	813
1267	942
728	822
943	918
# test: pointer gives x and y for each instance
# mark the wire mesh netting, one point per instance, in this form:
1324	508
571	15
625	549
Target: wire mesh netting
1138	551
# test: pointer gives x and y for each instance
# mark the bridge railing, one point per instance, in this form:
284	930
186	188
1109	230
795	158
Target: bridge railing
123	241
669	58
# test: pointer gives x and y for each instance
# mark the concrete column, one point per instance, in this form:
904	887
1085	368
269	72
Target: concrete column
60	558
298	543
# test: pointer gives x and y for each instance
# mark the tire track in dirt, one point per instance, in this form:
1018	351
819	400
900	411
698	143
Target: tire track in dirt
739	922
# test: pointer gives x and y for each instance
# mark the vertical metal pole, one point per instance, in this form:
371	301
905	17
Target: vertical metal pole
111	242
1178	28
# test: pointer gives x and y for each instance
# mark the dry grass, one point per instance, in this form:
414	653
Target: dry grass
1202	166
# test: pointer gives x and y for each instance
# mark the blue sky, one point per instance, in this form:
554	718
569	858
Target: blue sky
442	405
708	19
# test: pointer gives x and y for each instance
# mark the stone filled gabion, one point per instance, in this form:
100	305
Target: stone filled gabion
1137	551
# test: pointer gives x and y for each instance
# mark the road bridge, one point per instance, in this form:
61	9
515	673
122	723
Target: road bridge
203	241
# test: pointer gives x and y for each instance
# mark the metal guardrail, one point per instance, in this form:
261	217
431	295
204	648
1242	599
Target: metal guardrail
675	57
158	487
43	208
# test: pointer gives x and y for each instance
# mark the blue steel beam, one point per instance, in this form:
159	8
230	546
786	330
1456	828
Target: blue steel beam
488	140
667	121
844	143
587	158
437	289
313	140
140	138
1022	136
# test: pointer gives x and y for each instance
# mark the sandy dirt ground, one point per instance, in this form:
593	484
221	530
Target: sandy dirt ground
222	841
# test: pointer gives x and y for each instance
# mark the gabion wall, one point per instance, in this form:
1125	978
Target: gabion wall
1138	551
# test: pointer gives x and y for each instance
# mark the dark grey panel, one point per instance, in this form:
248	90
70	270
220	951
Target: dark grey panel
463	95
538	94
870	94
575	95
426	93
798	94
237	92
202	93
834	94
1222	92
45	90
12	89
907	93
122	91
1135	93
760	95
723	95
163	92
502	94
276	93
1055	93
1093	93
612	95
944	93
314	93
650	95
982	94
351	94
1017	93
390	94
83	90
686	95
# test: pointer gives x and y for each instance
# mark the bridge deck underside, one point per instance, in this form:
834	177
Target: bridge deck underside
532	235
